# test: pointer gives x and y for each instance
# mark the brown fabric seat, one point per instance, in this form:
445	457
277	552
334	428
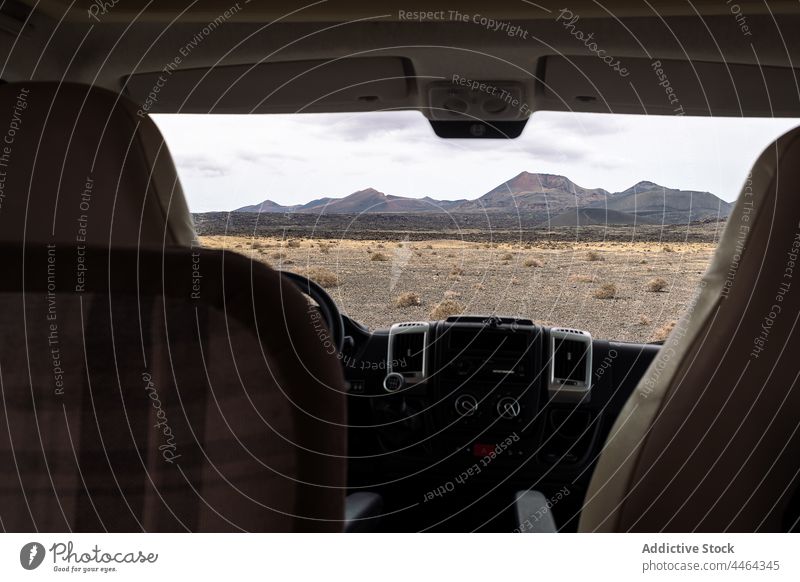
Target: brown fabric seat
79	166
146	397
145	385
709	440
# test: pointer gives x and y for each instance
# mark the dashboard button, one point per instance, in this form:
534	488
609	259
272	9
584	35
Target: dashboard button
508	408
466	405
393	382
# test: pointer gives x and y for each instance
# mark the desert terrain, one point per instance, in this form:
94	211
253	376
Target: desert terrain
629	290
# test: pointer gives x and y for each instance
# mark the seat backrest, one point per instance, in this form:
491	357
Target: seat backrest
79	165
183	390
709	440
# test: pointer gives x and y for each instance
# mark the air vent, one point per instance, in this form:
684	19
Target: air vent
570	365
407	350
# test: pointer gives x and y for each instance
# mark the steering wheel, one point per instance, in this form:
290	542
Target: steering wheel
327	306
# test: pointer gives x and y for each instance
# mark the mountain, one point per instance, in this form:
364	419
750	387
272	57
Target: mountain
659	204
527	192
368	201
266	206
537	195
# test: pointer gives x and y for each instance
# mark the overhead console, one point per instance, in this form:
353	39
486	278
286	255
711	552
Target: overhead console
664	86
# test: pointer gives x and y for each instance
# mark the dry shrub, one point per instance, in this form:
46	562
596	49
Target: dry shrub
417	253
258	245
594	256
643	262
278	256
293	244
324	277
324	248
450	255
533	263
446	308
656	285
381	246
668	249
607	291
506	257
407	299
429	247
644	320
663	332
379	257
581	279
456	272
450	294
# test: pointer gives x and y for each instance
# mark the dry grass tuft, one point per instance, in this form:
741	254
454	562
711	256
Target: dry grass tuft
663	332
668	249
644	320
379	257
446	308
407	299
457	272
506	257
607	291
592	256
450	294
278	256
324	277
293	244
656	285
533	263
324	248
581	279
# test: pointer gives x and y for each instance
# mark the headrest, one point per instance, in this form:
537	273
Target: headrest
79	165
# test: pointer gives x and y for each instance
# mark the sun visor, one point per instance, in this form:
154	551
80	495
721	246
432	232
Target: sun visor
351	84
667	87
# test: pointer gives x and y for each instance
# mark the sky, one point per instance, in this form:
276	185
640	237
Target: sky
229	161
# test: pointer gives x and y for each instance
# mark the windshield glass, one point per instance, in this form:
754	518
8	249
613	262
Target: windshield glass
599	222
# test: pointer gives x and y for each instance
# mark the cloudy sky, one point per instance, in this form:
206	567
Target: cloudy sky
229	161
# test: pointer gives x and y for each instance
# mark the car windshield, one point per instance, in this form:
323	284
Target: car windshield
600	222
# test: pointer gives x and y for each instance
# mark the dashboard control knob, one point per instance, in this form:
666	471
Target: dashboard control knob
466	405
508	408
393	382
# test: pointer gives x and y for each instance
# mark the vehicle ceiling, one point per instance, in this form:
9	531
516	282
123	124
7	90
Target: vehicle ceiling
346	55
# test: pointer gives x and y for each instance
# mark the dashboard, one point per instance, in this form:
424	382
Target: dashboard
463	412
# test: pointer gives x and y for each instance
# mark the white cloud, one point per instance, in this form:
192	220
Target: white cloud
228	161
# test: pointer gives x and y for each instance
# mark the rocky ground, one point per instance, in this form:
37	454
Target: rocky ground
475	227
614	289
